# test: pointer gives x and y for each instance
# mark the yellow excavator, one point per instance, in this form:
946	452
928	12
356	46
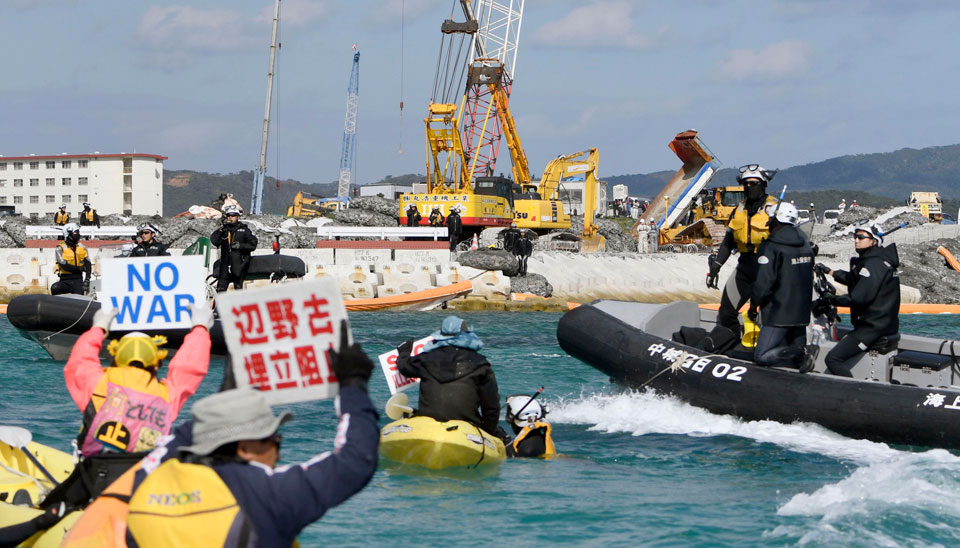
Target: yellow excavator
313	207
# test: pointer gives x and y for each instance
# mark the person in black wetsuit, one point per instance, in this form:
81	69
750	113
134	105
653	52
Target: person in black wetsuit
413	216
783	293
747	229
148	246
456	381
454	227
236	241
523	248
873	295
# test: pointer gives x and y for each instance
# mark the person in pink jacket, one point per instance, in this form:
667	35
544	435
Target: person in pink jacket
127	408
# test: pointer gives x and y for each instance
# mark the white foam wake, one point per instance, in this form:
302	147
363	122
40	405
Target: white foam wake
642	413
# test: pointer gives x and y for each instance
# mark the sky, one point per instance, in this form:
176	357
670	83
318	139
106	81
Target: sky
773	82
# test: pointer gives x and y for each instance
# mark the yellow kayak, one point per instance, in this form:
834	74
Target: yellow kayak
12	514
21	480
436	445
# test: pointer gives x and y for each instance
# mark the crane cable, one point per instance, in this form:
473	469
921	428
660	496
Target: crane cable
403	5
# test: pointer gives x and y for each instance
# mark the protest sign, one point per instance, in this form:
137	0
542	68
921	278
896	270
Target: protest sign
152	293
279	338
388	362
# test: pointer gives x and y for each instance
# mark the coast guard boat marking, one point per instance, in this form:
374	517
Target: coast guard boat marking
696	363
937	400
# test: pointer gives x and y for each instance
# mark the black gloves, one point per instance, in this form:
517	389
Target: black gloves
405	348
714	275
351	365
86	286
502	434
821	268
752	314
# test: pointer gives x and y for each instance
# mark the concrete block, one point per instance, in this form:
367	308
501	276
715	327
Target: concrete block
364	256
406	273
400	288
434	257
492	286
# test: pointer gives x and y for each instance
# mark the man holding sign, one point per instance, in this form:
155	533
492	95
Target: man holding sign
127	408
456	381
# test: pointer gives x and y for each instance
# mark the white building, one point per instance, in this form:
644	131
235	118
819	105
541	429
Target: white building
390	191
128	184
571	194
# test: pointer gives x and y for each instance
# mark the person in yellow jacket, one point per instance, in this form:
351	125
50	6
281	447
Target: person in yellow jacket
747	229
533	435
72	263
61	217
89	216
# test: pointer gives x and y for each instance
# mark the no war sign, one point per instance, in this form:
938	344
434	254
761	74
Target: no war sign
152	293
388	362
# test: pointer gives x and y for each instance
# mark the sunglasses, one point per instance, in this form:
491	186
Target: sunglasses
749	167
861	237
146	232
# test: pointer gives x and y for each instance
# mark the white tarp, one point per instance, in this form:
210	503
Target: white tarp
152	293
279	338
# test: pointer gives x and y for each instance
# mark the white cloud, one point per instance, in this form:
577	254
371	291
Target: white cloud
603	24
779	60
391	11
179	29
296	13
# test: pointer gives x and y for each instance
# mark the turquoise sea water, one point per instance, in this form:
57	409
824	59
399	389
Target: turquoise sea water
637	469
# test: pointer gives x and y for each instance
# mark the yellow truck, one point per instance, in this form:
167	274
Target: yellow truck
927	204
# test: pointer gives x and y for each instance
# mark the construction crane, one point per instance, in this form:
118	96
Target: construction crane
256	200
349	150
490	79
451	164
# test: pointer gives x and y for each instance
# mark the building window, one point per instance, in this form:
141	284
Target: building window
3	166
82	198
51	199
34	215
51	164
65	181
34	165
65	164
51	181
18	182
18	199
34	199
17	166
81	163
3	183
34	182
65	198
3	199
81	180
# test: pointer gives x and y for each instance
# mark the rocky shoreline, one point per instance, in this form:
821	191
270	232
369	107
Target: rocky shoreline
921	266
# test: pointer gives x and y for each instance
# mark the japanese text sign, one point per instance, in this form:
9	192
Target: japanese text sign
280	336
388	361
152	293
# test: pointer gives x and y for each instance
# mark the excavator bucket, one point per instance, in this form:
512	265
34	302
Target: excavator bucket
593	244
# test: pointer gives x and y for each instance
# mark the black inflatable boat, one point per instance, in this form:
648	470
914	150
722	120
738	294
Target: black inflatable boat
55	323
903	391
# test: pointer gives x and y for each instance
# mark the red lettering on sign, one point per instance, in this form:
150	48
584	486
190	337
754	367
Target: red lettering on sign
316	314
257	371
283	319
250	324
308	364
281	364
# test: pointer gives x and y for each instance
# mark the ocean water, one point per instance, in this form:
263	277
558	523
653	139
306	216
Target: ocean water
637	469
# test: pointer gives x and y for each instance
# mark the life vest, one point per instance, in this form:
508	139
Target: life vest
89	215
184	504
750	230
550	450
70	256
104	522
125	419
61	218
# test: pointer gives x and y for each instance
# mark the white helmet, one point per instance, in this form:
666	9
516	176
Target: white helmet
787	213
147	226
86	204
529	414
63	206
70	228
231	209
755	171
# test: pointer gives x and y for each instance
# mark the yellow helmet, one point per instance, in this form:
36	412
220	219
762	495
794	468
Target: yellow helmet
138	347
